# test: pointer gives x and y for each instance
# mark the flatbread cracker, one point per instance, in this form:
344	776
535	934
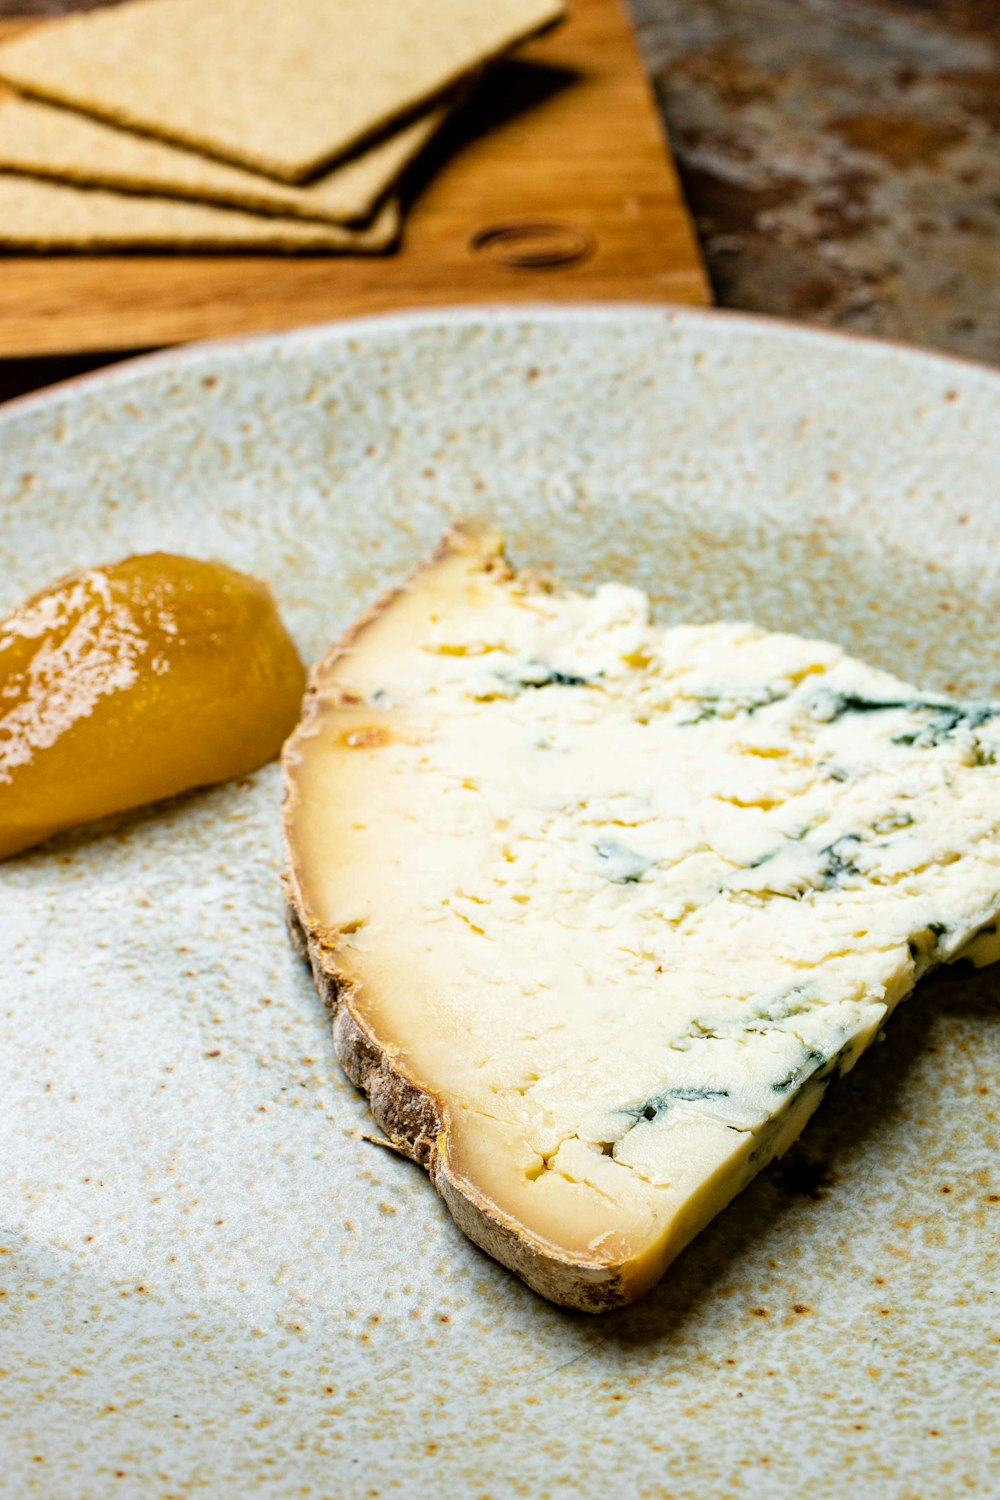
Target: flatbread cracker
42	215
283	87
47	141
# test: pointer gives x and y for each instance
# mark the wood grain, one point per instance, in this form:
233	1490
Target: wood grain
553	184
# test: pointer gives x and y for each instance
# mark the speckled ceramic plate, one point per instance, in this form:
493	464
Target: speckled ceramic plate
212	1283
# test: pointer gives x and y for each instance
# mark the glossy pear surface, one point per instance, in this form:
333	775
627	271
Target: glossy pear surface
123	684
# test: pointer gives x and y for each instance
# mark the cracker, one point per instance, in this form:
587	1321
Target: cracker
41	215
49	142
283	87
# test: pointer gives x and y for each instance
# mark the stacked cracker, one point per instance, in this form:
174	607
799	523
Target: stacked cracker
231	124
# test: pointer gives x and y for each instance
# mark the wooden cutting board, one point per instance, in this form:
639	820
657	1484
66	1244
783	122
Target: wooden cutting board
554	184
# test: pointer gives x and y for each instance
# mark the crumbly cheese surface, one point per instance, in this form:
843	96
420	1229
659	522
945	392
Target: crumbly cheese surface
628	898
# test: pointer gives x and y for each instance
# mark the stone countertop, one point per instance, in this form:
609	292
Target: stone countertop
841	159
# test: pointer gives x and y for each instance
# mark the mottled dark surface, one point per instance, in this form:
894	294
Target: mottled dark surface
841	158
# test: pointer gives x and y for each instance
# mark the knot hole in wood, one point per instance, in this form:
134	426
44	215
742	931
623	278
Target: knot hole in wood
534	244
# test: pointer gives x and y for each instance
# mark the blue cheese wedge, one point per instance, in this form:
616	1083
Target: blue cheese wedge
602	908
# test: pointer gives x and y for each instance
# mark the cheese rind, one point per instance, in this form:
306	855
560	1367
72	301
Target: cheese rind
608	906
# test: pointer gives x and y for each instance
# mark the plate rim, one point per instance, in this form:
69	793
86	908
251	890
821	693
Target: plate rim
489	314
